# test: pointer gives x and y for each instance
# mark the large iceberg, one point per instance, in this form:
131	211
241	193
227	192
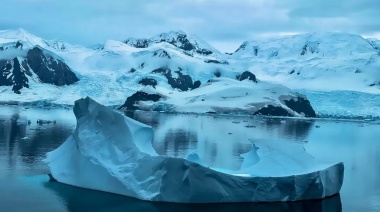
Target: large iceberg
113	153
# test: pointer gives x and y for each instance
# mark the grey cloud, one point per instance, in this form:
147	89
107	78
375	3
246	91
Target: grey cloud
222	22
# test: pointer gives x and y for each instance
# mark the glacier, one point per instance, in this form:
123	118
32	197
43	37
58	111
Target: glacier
113	153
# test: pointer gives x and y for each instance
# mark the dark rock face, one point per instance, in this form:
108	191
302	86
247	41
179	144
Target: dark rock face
130	103
204	51
18	45
148	81
271	110
217	74
301	105
181	42
183	82
12	73
161	53
247	75
19	78
217	62
375	83
140	43
196	84
5	74
50	70
308	47
12	45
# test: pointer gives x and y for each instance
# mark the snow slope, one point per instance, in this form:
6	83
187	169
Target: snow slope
315	61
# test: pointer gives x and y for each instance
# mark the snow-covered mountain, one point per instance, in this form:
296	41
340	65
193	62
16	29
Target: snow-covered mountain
189	44
317	61
25	58
175	71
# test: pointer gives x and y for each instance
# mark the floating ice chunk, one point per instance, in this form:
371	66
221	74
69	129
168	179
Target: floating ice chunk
113	153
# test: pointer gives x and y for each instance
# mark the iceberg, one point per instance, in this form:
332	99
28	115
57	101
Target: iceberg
113	153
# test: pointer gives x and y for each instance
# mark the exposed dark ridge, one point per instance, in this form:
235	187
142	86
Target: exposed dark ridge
4	72
50	70
181	39
19	78
148	81
247	75
204	51
271	110
18	44
216	61
140	43
183	82
132	101
301	106
14	73
242	46
161	53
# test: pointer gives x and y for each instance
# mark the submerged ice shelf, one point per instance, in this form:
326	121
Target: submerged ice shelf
113	153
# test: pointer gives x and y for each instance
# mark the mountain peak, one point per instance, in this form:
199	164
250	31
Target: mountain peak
172	34
188	43
20	35
315	43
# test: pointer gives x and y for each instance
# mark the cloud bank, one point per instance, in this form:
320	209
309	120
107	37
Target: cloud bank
225	24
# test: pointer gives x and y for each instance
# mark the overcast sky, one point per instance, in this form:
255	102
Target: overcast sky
224	24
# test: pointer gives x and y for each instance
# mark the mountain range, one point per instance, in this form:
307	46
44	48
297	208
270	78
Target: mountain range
175	71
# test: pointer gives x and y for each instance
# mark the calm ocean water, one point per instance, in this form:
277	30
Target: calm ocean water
219	140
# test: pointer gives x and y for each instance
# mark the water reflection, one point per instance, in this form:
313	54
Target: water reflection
100	201
24	143
218	140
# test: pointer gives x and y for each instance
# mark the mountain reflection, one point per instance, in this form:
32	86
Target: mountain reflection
23	143
218	140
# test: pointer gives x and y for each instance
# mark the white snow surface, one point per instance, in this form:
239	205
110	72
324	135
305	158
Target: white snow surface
331	62
113	153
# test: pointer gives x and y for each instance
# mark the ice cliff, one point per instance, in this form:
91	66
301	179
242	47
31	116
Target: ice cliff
112	153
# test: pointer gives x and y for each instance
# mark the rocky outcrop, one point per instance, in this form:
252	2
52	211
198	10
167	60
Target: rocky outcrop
138	43
132	101
271	110
148	81
247	75
161	53
217	61
300	105
183	82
